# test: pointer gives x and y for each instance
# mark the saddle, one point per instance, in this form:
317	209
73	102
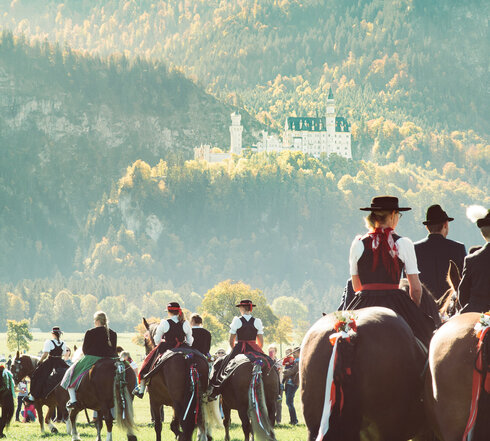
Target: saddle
161	359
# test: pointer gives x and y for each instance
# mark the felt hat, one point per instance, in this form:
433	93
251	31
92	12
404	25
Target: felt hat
246	302
56	330
173	306
484	221
382	203
436	215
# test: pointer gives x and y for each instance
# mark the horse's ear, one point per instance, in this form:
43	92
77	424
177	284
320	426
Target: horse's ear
147	326
453	276
17	356
74	348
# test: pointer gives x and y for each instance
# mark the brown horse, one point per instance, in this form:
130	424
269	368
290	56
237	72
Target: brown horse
181	383
6	402
107	385
448	387
23	366
238	393
382	396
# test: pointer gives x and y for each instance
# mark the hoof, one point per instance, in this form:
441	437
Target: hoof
54	430
132	438
2	435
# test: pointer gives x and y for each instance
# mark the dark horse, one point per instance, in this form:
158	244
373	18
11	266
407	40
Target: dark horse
452	355
238	392
180	382
107	385
6	402
382	386
24	366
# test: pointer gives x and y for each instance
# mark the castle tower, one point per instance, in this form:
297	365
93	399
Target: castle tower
236	130
330	118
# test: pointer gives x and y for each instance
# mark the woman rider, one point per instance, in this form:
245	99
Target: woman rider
176	331
377	260
51	367
248	332
98	342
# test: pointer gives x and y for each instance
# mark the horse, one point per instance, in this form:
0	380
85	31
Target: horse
180	382
448	385
23	366
107	384
253	394
376	376
6	402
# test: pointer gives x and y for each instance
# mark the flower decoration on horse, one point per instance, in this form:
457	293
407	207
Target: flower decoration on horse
482	324
345	327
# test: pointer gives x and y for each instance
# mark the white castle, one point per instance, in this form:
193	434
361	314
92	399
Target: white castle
314	136
214	154
328	134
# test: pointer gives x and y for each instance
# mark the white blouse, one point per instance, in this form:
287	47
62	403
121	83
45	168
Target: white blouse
406	253
163	327
236	324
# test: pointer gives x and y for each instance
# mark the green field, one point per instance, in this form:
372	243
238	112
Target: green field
23	432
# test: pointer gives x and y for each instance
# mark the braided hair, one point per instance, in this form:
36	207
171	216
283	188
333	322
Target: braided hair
101	317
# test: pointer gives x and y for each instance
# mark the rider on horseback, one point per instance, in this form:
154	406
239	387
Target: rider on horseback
377	260
249	333
50	369
176	332
98	342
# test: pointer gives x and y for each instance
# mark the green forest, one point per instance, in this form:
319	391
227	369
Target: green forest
102	102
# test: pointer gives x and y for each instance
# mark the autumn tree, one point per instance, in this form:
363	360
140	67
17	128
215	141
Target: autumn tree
18	335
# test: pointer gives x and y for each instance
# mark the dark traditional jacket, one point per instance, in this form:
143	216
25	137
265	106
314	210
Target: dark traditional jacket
95	342
202	340
474	288
433	256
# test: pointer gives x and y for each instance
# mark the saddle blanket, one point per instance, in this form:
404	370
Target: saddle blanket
169	353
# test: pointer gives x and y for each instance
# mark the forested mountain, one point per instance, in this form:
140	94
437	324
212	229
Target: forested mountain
411	75
102	101
70	124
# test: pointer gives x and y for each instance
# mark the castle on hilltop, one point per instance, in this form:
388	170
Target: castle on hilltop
314	136
328	134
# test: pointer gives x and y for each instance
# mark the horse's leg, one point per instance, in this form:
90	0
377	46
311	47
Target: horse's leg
99	422
157	418
175	425
226	421
108	423
39	410
246	426
49	418
73	421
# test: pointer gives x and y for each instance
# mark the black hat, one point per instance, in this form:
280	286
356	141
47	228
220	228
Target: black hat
56	330
436	215
484	221
246	302
173	306
382	203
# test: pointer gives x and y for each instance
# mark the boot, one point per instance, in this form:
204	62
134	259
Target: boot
139	391
73	398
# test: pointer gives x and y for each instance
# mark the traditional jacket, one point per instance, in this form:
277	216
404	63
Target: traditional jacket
202	340
433	256
474	288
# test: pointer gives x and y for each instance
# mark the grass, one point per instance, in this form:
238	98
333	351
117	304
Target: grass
23	432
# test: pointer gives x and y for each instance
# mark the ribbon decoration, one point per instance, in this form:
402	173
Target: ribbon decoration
256	377
194	377
481	329
345	328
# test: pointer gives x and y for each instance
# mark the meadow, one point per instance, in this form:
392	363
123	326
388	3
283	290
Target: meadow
23	432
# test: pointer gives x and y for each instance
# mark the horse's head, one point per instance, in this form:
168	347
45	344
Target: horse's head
149	335
449	301
22	366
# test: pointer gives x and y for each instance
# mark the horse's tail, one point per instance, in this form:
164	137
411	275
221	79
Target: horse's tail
341	416
257	408
7	384
123	400
192	404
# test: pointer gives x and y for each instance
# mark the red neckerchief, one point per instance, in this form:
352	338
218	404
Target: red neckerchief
382	243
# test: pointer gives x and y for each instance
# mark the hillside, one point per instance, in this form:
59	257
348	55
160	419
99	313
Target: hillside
408	86
70	124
